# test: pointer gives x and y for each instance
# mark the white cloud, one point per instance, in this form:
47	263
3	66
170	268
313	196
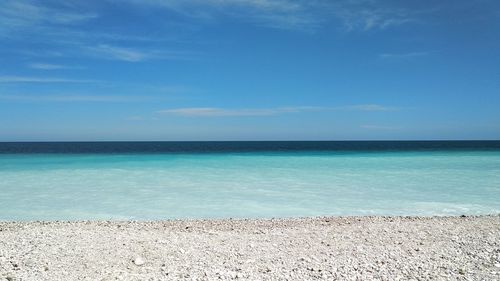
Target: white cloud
367	15
268	5
136	55
28	79
305	15
219	112
118	53
284	14
20	14
73	98
369	107
403	55
49	66
298	14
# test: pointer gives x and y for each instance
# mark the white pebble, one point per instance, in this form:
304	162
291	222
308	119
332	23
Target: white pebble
139	261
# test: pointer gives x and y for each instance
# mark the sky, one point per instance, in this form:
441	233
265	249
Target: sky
249	70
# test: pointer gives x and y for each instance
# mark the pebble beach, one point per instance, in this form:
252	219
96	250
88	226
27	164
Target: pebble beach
325	248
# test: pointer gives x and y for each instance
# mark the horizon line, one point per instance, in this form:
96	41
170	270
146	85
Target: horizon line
353	140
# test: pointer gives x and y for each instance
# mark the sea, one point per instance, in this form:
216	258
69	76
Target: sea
199	180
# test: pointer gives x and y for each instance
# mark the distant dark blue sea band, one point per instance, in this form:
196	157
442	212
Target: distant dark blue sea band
243	146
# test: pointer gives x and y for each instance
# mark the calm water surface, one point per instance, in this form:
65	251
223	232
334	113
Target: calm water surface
162	180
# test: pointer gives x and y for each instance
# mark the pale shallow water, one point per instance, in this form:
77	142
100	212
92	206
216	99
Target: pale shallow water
251	184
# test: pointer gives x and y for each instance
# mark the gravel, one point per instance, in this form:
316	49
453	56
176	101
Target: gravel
328	248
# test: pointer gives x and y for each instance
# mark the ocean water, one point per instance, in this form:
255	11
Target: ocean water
168	180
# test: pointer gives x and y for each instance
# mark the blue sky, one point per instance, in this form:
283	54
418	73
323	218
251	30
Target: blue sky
249	70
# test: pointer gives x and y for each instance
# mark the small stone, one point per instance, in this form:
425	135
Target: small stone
497	265
138	261
305	259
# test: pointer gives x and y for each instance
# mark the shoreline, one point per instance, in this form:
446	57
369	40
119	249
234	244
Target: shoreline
327	248
239	219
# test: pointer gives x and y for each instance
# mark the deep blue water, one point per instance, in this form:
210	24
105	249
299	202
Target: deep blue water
244	146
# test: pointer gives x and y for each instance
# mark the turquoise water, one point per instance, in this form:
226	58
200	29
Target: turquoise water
260	184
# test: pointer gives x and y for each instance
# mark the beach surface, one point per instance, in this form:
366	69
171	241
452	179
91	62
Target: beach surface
327	248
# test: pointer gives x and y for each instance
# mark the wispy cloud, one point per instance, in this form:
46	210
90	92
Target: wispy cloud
62	29
21	14
40	53
28	79
219	112
73	98
135	55
49	66
60	19
124	54
297	14
369	107
285	14
62	26
371	15
398	56
362	18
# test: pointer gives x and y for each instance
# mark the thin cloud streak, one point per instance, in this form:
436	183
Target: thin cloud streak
403	55
123	54
26	79
359	15
369	107
373	15
60	22
364	19
74	98
135	55
281	14
49	66
222	112
22	14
